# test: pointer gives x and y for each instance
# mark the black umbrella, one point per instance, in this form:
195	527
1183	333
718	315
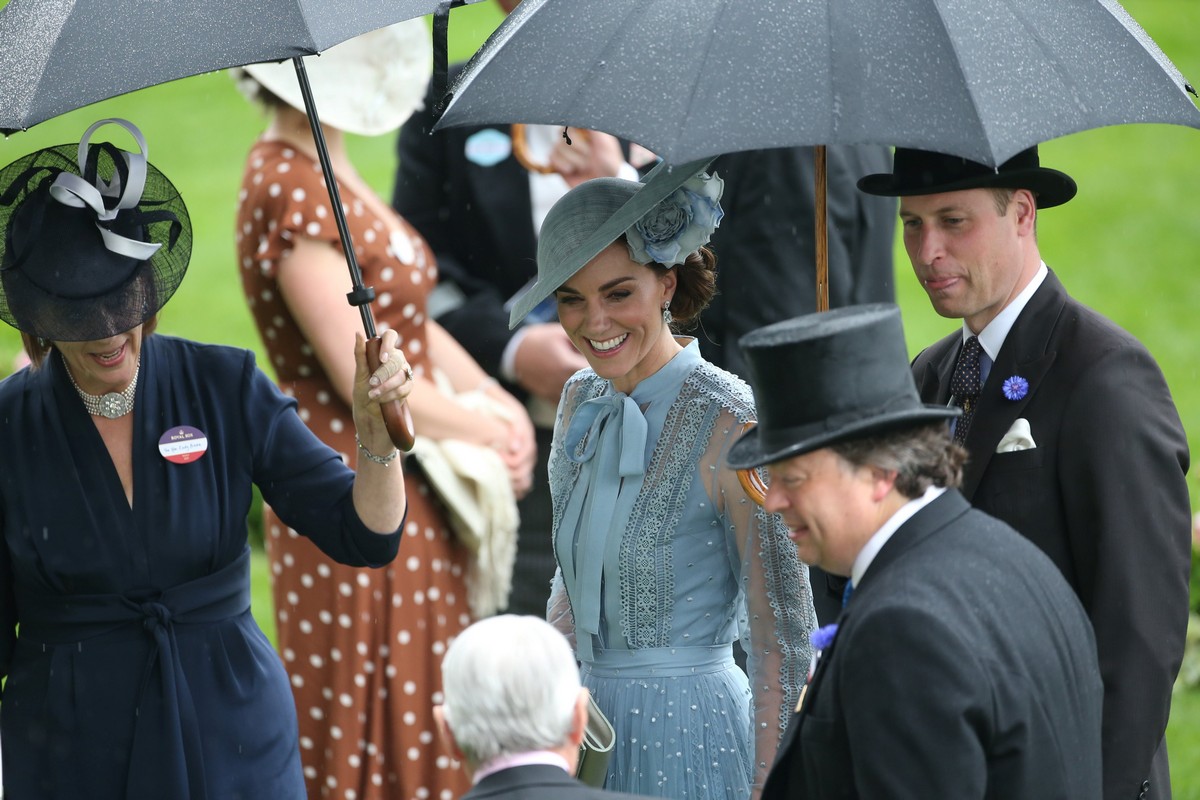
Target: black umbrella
59	56
694	78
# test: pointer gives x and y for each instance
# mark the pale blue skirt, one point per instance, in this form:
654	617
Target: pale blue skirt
682	717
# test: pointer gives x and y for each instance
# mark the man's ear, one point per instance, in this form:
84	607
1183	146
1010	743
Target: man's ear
579	718
1024	207
447	735
882	482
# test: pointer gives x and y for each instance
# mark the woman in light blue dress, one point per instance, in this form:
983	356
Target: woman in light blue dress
663	559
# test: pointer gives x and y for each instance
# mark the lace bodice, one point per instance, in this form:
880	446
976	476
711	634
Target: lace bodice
657	544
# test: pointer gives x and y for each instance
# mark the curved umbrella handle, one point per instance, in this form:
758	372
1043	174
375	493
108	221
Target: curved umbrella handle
753	485
396	416
520	149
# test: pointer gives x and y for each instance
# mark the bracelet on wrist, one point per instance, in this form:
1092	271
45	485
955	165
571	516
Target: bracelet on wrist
385	460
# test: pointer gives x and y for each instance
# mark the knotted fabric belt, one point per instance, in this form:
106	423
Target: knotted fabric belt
664	661
71	620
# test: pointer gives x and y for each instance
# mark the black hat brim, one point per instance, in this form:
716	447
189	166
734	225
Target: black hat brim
752	450
1050	186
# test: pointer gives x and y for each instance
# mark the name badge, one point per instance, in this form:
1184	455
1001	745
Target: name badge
183	444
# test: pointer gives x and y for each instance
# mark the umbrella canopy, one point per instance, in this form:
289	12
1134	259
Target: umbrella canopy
694	78
59	55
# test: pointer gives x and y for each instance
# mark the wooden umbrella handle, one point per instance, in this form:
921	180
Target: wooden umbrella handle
753	485
520	148
396	416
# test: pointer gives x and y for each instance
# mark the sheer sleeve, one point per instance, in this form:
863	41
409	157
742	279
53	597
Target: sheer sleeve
562	476
778	602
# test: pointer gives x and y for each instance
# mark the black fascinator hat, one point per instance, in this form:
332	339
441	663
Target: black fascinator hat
94	242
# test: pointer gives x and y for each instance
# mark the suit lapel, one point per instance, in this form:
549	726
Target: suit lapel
933	383
1026	352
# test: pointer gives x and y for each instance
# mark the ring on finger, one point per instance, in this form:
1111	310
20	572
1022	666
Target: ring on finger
408	373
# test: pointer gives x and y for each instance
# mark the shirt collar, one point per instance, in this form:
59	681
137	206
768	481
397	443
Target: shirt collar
903	514
992	337
519	760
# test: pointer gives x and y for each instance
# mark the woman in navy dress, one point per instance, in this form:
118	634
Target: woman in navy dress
133	666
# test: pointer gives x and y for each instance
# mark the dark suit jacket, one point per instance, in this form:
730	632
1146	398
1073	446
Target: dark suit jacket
963	667
538	782
1103	494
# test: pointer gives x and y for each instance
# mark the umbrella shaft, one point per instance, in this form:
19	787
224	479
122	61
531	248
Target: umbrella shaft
361	296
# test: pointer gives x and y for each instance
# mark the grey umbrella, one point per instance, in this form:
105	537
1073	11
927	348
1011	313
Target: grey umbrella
692	78
59	55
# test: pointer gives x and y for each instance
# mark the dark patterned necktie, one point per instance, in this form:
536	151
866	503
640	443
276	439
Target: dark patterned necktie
965	386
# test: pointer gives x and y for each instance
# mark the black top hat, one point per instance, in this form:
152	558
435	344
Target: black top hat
95	240
823	378
922	172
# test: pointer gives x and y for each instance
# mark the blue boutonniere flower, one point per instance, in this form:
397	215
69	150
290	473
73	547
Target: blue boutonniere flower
1016	387
823	636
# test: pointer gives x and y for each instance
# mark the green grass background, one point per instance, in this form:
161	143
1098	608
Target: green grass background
1127	245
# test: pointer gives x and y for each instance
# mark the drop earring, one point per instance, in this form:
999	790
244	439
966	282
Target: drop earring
667	318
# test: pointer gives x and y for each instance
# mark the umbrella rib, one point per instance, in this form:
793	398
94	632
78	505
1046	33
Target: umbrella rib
685	120
958	64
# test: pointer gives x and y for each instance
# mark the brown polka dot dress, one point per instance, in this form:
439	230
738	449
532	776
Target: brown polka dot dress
363	648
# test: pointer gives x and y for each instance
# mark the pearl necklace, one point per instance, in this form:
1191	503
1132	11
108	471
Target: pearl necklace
111	405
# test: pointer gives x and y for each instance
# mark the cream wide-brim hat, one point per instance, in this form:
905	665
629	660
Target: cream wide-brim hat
368	85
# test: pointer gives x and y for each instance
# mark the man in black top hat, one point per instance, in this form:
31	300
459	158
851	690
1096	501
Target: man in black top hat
1073	437
962	664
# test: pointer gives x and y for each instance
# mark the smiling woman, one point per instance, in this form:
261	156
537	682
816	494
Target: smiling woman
663	562
126	638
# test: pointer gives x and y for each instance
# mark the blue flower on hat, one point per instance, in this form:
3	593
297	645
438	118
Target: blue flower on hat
1016	387
678	225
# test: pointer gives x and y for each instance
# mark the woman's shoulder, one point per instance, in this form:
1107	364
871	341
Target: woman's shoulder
18	383
214	360
725	389
584	385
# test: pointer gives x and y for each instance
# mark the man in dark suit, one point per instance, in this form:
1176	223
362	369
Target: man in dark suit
1073	438
962	664
466	193
514	711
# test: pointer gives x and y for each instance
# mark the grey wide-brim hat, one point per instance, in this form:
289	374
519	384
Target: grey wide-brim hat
588	219
829	377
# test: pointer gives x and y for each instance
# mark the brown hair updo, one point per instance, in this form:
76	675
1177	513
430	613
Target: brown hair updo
695	286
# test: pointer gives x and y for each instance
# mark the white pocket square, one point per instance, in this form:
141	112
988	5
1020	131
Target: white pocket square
1018	437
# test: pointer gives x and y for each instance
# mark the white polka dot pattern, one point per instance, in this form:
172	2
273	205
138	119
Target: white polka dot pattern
362	647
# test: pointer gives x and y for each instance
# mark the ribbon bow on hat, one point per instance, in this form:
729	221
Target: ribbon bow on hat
614	454
125	187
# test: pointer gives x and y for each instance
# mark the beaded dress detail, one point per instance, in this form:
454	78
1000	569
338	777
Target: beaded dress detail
663	562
